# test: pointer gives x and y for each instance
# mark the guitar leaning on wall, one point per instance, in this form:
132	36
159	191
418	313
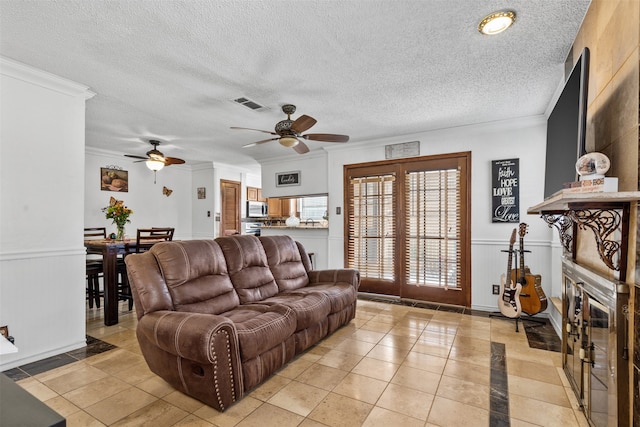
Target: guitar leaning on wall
532	297
509	299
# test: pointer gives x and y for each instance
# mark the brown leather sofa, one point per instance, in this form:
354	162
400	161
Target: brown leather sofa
218	317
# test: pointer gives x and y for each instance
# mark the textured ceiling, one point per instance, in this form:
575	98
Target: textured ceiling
365	68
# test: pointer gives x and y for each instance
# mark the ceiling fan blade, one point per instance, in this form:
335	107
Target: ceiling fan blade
327	137
173	161
257	130
136	157
301	148
302	123
259	142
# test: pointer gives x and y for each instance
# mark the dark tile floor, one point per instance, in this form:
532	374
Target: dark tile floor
94	346
499	393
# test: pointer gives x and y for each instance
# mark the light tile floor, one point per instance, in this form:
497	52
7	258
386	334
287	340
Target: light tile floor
392	365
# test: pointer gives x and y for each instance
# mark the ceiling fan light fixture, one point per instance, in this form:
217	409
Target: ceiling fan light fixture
154	164
497	22
289	141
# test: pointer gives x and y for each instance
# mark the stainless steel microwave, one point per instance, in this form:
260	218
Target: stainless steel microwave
257	210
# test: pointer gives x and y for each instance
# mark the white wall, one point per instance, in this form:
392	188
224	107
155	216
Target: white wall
313	175
192	218
524	139
151	208
203	218
42	257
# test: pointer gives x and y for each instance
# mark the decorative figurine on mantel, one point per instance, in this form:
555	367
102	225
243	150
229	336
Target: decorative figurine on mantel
592	165
591	169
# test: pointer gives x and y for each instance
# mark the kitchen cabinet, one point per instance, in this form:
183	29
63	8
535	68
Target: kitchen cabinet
280	208
254	194
275	207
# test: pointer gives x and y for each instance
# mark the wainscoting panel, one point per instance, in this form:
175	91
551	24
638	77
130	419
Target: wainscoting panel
488	263
42	300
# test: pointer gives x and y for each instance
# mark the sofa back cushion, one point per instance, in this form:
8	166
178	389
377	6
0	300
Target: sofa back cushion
150	292
195	272
285	262
248	268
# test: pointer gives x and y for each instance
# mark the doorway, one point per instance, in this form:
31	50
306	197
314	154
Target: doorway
408	227
230	211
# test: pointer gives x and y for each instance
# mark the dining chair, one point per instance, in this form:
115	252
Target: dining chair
94	266
145	239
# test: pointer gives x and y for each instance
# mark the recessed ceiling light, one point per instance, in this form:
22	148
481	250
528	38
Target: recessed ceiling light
497	22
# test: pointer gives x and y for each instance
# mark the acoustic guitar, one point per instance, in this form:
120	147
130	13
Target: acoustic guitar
532	297
509	299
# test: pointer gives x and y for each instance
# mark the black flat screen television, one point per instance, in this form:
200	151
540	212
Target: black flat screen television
566	128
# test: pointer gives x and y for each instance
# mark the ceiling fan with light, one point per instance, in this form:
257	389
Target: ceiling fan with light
155	160
289	132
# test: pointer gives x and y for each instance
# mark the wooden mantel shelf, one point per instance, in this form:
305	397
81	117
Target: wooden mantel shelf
604	213
564	201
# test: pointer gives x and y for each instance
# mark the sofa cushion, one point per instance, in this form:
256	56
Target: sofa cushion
339	294
261	327
310	308
285	262
195	272
248	268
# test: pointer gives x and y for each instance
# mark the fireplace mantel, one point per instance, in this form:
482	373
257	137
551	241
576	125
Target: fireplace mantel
603	213
561	201
607	215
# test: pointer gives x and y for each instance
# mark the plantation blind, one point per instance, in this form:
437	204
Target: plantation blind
371	226
432	240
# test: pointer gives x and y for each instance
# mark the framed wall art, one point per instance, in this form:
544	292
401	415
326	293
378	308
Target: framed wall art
202	193
287	179
505	190
113	178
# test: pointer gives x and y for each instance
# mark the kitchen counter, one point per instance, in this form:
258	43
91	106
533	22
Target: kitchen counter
315	239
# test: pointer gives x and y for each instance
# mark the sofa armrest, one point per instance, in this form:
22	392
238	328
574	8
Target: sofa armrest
194	336
196	353
344	275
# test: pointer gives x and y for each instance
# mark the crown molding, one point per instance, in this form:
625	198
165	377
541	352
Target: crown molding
29	74
320	154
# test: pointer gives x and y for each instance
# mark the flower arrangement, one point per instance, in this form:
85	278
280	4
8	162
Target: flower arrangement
119	213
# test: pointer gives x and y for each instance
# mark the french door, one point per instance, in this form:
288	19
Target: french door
407	226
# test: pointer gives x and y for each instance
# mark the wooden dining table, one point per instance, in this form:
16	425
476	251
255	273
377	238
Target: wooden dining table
110	249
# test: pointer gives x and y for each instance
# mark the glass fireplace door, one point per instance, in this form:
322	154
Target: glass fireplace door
597	358
574	335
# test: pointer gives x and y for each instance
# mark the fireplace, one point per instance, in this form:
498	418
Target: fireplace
595	343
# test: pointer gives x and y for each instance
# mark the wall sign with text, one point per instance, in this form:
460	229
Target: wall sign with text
286	179
505	190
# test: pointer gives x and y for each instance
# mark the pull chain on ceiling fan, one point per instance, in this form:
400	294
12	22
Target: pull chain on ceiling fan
288	132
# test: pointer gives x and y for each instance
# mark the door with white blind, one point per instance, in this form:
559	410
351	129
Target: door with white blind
407	226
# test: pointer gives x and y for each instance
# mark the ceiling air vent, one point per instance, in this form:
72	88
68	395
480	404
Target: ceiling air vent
249	103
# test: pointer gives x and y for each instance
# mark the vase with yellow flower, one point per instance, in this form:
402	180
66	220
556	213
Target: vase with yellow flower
119	213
